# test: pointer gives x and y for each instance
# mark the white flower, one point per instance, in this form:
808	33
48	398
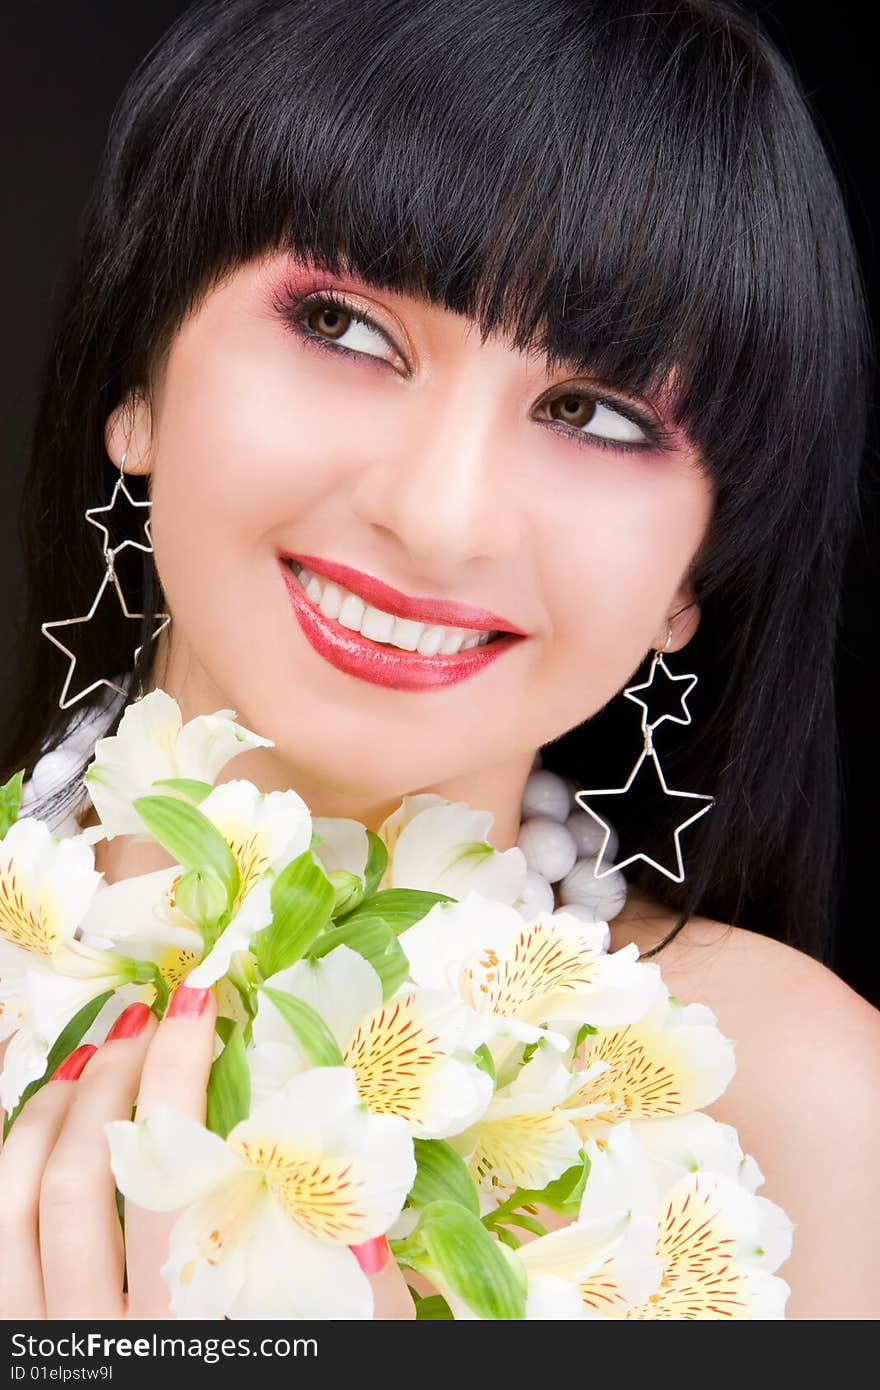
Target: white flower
526	1138
670	1061
271	1210
561	1264
719	1243
526	974
441	846
152	743
412	1055
46	974
264	831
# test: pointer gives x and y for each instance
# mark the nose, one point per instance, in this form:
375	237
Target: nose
436	481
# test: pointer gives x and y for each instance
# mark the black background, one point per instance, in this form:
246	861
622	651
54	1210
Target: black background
63	68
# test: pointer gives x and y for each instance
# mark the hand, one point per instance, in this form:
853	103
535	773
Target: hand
58	1216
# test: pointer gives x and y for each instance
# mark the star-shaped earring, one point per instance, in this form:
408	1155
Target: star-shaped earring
647	754
109	578
94	512
670	680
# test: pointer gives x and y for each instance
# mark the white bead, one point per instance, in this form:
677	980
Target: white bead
588	836
52	771
537	895
604	896
586	914
545	794
548	847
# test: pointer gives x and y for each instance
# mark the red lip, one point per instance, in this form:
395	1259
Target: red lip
378	662
443	612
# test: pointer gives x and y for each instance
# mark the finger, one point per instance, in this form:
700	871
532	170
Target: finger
81	1243
392	1300
175	1074
22	1163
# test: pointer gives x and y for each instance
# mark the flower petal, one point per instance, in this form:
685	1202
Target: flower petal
341	1172
126	765
342	987
207	743
46	885
168	1160
344	844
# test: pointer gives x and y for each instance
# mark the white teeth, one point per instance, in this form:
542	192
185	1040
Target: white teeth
349	610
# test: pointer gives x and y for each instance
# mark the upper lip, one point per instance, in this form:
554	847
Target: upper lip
442	611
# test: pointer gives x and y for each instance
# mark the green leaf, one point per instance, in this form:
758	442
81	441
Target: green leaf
224	1027
229	1086
433	1309
442	1175
307	1026
527	1223
468	1262
190	838
507	1237
201	897
10	801
485	1060
187	786
302	900
397	908
348	890
375	942
67	1040
377	863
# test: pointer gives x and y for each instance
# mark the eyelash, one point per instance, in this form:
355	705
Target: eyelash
295	309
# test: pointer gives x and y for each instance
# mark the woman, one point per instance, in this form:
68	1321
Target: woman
548	310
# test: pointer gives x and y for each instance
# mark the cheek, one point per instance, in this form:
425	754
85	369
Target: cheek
250	440
610	579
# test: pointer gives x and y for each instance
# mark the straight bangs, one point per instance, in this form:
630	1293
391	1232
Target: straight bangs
630	191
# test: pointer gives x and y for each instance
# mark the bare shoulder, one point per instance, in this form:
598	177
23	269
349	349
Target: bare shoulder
803	1098
750	981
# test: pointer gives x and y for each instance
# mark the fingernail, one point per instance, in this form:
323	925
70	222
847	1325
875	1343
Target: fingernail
130	1022
372	1255
187	1003
73	1066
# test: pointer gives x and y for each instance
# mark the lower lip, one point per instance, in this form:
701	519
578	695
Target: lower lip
356	655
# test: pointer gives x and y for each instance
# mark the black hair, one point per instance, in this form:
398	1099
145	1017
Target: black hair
637	188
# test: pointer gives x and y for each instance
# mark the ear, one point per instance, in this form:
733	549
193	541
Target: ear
683	619
128	432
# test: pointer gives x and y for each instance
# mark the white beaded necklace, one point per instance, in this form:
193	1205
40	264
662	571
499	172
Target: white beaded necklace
560	843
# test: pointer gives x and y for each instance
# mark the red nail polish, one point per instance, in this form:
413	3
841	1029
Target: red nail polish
187	1002
73	1066
372	1255
130	1022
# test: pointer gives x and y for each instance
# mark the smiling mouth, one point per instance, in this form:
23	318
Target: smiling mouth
350	612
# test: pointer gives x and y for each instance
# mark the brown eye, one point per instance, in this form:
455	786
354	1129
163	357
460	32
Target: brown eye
595	419
328	322
573	410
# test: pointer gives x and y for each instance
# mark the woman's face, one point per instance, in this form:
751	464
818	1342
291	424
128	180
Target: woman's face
457	471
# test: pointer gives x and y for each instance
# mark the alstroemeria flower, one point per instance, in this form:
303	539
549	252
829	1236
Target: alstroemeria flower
46	974
269	1212
441	846
526	1138
718	1242
669	1061
41	1003
153	743
527	973
412	1055
264	831
562	1263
